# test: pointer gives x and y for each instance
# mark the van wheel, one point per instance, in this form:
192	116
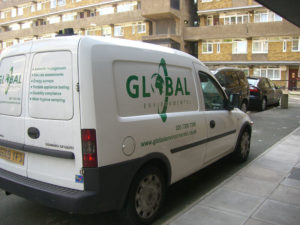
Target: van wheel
145	197
243	147
244	106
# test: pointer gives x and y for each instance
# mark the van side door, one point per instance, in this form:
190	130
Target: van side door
220	123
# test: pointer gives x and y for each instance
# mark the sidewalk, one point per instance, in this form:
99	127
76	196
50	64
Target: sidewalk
265	192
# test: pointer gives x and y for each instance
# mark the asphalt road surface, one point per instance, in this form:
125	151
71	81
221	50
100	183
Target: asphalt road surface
270	126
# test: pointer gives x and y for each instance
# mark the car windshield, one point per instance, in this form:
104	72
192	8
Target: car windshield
253	81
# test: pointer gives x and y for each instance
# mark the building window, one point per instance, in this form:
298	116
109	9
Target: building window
141	28
20	11
296	45
218	48
26	25
236	19
106	31
260	46
260	17
133	28
54	19
239	47
61	2
273	73
210	21
207	47
126	7
32	8
68	17
14	12
284	45
175	4
106	10
266	16
119	31
14	26
52	4
39	6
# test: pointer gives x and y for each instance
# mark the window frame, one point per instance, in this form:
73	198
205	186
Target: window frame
207	43
264	43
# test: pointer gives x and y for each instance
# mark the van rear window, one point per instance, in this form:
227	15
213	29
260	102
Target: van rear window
11	83
50	92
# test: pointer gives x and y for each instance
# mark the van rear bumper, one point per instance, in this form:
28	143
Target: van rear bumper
105	188
53	196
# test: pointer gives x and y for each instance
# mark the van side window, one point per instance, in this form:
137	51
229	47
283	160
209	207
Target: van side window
51	92
213	95
11	84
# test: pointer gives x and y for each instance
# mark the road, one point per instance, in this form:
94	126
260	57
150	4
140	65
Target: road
270	126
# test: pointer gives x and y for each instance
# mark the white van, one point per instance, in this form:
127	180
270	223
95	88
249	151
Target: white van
94	124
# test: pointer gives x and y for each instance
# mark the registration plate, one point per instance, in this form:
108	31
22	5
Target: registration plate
12	155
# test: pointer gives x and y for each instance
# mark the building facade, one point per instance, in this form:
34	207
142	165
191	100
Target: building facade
155	21
236	33
244	34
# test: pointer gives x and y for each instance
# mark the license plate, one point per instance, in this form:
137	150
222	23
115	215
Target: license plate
12	155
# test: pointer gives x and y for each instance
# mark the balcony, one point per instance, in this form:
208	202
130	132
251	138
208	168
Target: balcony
159	9
241	30
76	24
153	38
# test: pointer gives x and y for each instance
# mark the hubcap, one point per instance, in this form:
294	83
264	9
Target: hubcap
245	145
148	196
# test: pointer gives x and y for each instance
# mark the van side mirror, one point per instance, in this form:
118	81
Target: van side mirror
232	102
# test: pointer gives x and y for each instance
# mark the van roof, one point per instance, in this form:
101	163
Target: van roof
70	42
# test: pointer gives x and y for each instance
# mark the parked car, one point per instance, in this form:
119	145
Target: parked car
235	82
263	92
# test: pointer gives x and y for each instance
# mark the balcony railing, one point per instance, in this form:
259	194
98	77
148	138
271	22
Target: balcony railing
240	30
76	24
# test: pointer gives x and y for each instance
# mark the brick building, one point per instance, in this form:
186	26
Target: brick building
239	33
242	33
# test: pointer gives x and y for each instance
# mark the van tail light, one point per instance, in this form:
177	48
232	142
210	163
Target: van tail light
89	148
254	89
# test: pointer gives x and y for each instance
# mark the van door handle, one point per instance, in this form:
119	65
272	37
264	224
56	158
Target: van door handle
212	124
33	132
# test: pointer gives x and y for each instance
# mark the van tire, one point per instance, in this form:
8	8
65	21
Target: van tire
146	196
242	150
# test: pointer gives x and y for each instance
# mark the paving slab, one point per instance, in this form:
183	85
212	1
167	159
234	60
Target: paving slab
256	222
202	215
271	163
291	183
251	186
278	213
233	201
258	172
286	194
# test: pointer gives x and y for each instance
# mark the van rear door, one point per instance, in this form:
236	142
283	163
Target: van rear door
12	70
52	126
